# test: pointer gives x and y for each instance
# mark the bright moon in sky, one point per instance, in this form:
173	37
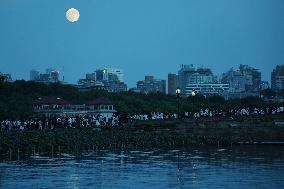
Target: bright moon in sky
72	15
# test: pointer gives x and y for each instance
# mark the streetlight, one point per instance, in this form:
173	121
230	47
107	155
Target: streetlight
178	92
193	93
178	98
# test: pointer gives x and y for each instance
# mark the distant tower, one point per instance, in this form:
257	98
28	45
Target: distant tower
151	85
188	75
101	75
54	76
91	76
277	78
172	83
116	71
34	75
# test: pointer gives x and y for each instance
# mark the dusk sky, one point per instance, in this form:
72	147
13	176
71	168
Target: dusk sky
140	36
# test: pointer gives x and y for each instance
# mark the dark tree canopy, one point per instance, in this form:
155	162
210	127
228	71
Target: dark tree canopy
16	99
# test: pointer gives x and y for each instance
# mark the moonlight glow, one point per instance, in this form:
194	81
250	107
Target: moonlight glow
72	15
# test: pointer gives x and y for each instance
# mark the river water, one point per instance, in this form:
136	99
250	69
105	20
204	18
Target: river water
237	167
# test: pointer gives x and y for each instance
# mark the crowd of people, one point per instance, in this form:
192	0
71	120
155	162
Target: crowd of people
116	120
60	122
216	113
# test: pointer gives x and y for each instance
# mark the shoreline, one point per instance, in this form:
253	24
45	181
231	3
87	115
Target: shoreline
155	134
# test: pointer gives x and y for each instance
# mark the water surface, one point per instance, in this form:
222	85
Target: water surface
237	167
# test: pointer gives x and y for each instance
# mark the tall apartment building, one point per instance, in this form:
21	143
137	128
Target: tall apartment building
151	85
172	83
264	85
34	75
90	83
50	76
244	80
277	78
188	76
252	77
91	76
109	79
118	72
236	81
101	75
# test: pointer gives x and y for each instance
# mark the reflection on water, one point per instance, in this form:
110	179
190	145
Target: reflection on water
238	167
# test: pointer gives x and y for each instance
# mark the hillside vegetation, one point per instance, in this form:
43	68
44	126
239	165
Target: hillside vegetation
16	100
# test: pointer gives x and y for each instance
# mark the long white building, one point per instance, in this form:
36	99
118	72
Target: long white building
207	88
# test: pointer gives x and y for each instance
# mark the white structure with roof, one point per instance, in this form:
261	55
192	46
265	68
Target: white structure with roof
50	106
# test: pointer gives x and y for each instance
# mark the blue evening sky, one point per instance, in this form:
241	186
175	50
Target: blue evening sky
140	36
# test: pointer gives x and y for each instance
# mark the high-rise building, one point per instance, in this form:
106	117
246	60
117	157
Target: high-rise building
172	83
252	77
151	85
51	76
90	83
113	83
91	76
113	77
236	81
107	79
115	86
116	71
277	78
101	75
43	77
54	76
264	85
87	85
189	75
34	75
244	80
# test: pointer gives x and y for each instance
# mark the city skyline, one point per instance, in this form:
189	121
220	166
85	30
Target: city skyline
156	94
142	38
62	76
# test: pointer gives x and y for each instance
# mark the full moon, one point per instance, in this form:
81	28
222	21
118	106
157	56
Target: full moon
72	15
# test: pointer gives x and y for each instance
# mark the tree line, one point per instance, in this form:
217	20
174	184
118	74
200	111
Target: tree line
16	100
